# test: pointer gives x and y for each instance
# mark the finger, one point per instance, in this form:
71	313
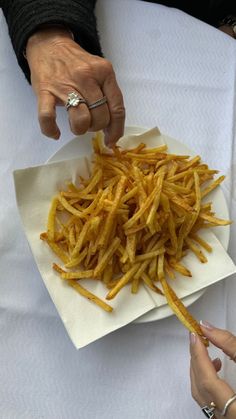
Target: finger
100	116
79	116
115	129
217	364
79	119
47	115
200	360
223	339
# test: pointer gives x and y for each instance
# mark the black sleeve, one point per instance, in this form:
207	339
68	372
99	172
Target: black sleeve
24	16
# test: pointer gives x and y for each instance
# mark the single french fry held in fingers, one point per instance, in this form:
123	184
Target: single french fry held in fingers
131	221
181	312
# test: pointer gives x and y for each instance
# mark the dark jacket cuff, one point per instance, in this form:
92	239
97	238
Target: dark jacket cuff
24	17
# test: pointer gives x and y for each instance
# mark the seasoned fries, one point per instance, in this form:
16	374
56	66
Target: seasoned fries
132	221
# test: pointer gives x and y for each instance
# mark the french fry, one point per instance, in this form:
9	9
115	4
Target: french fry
149	255
87	294
156	201
150	284
78	260
122	282
106	257
196	250
51	219
131	243
214	220
135	285
181	312
107	274
152	270
168	270
110	219
160	266
77	274
56	249
81	239
178	267
202	242
211	187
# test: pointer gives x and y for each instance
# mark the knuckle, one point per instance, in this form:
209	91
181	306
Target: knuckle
229	345
83	72
107	66
98	125
80	126
103	70
46	116
118	112
194	358
229	338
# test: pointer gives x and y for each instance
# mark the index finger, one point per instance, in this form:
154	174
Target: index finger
200	360
223	339
47	115
115	102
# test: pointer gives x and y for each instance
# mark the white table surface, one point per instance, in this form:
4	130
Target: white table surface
177	73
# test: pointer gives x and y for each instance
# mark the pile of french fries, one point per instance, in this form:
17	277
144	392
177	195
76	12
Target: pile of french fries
132	221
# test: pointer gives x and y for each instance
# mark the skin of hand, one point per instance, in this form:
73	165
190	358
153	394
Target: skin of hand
206	386
59	66
227	29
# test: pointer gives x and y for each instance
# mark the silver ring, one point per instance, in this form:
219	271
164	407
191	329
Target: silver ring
227	404
98	102
209	411
73	99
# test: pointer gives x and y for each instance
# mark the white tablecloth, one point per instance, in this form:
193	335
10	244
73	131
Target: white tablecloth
177	73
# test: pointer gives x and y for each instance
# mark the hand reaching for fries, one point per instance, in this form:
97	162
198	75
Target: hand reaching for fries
132	221
58	66
207	388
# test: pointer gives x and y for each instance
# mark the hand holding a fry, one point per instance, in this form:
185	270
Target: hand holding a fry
59	66
206	386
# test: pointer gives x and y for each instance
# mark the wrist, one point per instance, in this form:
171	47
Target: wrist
47	33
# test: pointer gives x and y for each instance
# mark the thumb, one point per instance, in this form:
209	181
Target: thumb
223	339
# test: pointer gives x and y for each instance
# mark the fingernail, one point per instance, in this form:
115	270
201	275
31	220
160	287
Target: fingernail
56	136
206	324
193	338
53	137
110	144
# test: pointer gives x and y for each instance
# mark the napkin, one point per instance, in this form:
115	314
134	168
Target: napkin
83	320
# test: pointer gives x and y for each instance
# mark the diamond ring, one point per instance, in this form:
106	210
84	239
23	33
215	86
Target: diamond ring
73	99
